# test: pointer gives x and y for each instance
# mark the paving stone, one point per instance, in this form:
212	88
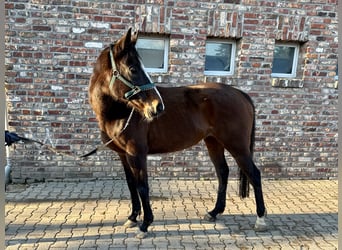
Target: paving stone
69	215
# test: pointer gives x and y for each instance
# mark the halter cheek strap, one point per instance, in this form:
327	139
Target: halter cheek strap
116	75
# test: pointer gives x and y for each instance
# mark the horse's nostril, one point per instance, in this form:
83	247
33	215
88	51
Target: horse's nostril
160	108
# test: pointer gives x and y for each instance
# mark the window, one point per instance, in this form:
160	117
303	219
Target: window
285	60
219	57
154	53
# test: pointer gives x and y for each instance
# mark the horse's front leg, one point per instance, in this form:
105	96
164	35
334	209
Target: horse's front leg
138	166
132	186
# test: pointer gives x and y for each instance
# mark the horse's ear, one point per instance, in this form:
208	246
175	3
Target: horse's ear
125	40
135	36
131	38
128	38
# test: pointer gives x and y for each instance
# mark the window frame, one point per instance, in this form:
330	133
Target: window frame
294	62
166	54
232	58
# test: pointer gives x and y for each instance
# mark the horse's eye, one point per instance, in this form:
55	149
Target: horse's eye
132	69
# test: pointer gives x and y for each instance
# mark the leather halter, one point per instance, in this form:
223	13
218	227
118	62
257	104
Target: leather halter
135	89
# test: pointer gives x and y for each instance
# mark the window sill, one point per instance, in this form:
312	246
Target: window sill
287	83
229	80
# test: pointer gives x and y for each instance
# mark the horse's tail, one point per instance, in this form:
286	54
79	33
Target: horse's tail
244	183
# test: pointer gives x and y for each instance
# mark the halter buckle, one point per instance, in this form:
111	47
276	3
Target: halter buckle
115	73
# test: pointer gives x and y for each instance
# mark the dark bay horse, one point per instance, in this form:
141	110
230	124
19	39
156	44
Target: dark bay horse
136	118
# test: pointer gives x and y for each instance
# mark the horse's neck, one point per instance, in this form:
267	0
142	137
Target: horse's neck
111	110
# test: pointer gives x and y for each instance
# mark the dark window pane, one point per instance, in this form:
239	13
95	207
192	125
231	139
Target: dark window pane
217	56
283	59
151	52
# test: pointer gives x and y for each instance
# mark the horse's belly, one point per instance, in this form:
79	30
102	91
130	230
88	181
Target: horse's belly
175	142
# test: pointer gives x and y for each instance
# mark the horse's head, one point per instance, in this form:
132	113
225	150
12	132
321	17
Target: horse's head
128	81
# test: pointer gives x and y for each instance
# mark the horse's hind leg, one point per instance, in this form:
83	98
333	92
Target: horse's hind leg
136	206
216	153
253	174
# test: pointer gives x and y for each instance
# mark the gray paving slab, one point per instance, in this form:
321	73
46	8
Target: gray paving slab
302	214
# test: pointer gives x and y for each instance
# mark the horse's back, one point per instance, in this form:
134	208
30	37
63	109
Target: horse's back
214	100
217	91
221	92
226	107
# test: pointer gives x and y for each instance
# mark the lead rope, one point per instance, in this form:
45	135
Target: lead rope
104	145
59	152
127	122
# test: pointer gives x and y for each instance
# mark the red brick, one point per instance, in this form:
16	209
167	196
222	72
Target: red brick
53	94
318	26
41	28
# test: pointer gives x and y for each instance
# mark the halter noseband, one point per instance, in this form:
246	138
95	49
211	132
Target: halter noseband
116	74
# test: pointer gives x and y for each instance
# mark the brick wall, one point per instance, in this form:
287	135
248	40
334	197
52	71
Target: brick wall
51	47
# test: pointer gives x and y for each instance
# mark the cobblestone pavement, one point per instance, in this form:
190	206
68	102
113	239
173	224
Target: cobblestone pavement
90	215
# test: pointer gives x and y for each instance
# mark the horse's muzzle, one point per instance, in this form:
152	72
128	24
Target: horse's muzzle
154	110
157	110
155	107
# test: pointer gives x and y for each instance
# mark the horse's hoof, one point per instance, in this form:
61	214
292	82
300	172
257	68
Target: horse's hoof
260	225
208	217
141	235
130	224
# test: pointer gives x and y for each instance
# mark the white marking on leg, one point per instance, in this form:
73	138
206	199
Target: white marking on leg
130	224
140	234
260	224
